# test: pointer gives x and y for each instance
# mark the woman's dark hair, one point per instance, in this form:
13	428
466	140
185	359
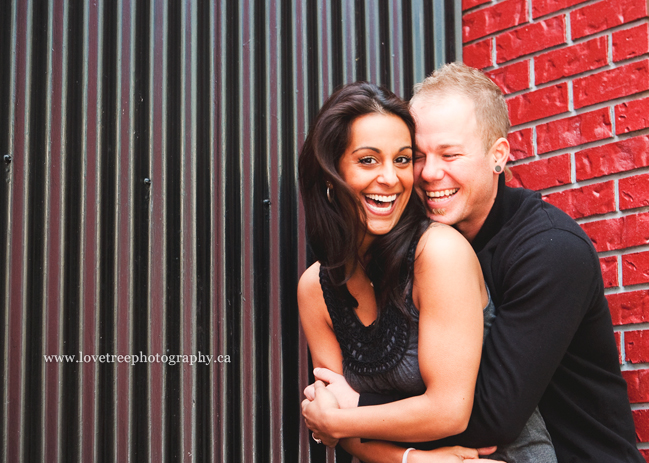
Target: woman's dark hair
333	227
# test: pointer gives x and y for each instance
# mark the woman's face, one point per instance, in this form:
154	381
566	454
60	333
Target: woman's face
377	165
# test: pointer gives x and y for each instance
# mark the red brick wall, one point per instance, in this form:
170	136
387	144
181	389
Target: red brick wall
576	77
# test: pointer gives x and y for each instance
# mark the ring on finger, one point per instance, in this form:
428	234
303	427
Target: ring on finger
317	441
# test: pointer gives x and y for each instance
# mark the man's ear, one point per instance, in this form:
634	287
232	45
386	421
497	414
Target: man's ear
500	152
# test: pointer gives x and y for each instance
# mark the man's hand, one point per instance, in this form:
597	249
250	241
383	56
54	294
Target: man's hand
336	384
451	455
316	413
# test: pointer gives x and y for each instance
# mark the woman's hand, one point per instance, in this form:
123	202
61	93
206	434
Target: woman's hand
336	384
317	412
451	455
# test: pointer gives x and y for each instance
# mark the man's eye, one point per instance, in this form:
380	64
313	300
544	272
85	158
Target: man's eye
451	156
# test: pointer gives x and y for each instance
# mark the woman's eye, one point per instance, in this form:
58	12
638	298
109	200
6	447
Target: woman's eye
367	161
403	160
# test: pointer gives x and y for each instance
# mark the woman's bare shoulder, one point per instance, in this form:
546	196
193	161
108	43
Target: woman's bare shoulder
310	279
442	241
309	291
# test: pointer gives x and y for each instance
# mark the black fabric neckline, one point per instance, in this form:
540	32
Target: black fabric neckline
368	349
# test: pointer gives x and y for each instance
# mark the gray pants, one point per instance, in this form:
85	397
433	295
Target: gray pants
533	445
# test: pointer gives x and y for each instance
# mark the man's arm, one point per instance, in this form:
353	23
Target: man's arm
546	290
547	287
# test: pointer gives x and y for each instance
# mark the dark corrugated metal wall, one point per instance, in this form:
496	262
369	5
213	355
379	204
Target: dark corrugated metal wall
148	204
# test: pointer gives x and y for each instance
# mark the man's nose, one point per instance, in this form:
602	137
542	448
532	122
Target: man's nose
432	170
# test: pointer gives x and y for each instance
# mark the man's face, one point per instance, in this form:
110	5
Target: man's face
453	175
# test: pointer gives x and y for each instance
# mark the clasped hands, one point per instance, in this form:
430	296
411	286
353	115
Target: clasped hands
323	399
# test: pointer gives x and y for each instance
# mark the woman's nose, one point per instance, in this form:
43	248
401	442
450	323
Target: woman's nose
388	175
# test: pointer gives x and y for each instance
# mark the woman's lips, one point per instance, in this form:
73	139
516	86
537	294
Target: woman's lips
380	204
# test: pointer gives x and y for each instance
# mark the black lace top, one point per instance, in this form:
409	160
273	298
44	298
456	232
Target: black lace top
381	357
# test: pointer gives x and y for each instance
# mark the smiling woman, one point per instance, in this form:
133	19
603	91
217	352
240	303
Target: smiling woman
377	166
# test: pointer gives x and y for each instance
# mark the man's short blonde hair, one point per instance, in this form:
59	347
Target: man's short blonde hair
490	107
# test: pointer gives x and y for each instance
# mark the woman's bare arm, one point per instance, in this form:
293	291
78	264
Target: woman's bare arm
449	293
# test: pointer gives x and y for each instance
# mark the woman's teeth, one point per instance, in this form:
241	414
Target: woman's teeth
382	200
440	195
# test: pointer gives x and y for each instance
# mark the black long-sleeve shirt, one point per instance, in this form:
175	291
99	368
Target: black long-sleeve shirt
552	342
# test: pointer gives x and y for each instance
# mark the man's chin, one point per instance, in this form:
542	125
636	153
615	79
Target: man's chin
435	214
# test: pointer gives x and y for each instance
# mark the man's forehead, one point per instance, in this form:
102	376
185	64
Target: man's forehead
427	100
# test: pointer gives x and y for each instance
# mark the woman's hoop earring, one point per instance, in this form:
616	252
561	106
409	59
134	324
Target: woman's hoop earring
498	169
330	189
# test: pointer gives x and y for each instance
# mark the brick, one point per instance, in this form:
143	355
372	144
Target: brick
629	308
520	144
545	173
572	60
634	192
636	346
637	384
494	18
604	15
641	420
609	271
613	83
538	104
619	348
478	54
544	7
466	4
631	42
636	230
612	158
635	268
573	131
530	39
632	115
512	78
618	233
585	201
605	234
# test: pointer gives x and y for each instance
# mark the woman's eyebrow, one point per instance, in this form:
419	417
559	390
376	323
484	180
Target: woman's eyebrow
367	148
378	150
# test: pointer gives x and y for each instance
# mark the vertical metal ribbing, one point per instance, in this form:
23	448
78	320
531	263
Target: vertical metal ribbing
247	362
348	34
6	210
157	252
19	223
91	121
52	304
224	425
324	70
439	28
123	240
373	42
396	61
274	124
188	55
300	115
457	32
418	40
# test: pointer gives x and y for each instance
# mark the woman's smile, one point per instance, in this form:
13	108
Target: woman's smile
380	204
